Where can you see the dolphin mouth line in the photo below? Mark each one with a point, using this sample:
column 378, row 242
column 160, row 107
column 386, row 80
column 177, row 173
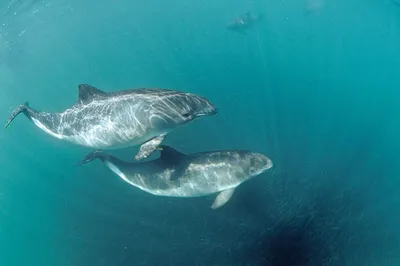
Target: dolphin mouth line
column 211, row 113
column 267, row 167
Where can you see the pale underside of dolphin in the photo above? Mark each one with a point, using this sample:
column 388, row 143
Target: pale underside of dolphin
column 111, row 120
column 175, row 174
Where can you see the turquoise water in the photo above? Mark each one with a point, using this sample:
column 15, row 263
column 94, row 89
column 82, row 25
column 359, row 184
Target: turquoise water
column 318, row 92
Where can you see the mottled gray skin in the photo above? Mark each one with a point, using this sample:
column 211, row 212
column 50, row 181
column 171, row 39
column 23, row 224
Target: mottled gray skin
column 178, row 175
column 120, row 119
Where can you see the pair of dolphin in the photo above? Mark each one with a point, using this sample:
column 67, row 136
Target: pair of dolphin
column 110, row 120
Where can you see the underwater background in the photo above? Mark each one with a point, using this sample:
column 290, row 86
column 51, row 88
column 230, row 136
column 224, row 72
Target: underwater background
column 314, row 85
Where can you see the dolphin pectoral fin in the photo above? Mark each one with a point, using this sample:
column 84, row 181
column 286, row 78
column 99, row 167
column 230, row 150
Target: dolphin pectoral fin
column 149, row 147
column 222, row 198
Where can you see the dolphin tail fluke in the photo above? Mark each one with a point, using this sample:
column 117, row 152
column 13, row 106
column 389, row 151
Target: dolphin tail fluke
column 97, row 154
column 23, row 108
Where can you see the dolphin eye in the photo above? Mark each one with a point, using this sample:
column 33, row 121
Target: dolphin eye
column 252, row 170
column 187, row 114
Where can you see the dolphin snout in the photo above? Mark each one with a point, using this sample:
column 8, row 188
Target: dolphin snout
column 214, row 109
column 207, row 109
column 267, row 163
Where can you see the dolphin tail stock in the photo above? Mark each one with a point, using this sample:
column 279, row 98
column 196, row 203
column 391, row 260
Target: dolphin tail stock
column 97, row 154
column 23, row 108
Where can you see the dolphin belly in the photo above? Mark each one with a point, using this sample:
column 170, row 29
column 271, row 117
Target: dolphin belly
column 46, row 129
column 188, row 190
column 186, row 185
column 109, row 126
column 109, row 140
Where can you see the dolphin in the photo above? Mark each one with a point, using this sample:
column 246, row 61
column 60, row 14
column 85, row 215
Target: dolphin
column 175, row 174
column 243, row 23
column 111, row 120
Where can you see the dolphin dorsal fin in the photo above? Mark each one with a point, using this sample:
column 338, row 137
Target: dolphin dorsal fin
column 170, row 155
column 88, row 93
